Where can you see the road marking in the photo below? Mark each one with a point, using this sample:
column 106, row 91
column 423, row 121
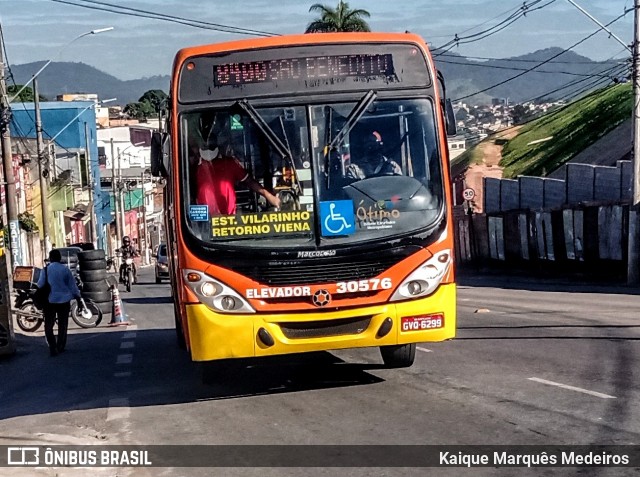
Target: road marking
column 129, row 335
column 124, row 374
column 424, row 350
column 127, row 345
column 124, row 359
column 573, row 388
column 118, row 409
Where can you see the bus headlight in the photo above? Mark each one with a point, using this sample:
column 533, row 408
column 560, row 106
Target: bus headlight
column 425, row 279
column 215, row 294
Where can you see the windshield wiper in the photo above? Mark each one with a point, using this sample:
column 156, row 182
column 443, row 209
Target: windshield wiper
column 354, row 116
column 264, row 128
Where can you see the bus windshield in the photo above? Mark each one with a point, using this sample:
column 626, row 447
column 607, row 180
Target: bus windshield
column 344, row 172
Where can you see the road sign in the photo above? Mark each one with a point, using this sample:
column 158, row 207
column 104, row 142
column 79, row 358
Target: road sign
column 468, row 194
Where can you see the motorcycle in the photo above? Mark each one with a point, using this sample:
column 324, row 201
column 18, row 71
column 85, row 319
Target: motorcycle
column 30, row 317
column 126, row 274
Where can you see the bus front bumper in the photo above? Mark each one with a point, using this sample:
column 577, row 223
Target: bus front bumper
column 215, row 336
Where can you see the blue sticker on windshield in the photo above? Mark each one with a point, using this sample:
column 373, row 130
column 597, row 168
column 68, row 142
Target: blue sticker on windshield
column 199, row 213
column 337, row 218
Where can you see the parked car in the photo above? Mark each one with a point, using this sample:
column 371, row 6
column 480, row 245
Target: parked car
column 162, row 263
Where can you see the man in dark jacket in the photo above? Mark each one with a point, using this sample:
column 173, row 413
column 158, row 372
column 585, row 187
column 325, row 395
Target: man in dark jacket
column 63, row 289
column 128, row 251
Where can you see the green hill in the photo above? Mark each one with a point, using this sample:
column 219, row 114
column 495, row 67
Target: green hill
column 565, row 132
column 546, row 143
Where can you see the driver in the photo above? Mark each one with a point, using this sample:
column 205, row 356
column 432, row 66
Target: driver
column 128, row 251
column 374, row 162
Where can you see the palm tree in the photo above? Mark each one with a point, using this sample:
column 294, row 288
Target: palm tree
column 340, row 19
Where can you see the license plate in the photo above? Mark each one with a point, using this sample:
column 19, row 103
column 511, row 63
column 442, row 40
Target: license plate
column 421, row 323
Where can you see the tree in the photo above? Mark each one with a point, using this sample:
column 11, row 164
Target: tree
column 155, row 97
column 147, row 106
column 134, row 110
column 341, row 18
column 26, row 96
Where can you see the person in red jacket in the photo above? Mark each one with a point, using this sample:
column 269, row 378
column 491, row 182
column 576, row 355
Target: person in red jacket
column 216, row 178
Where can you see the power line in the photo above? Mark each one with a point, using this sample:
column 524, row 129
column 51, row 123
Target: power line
column 517, row 60
column 519, row 13
column 541, row 63
column 597, row 70
column 106, row 7
column 512, row 68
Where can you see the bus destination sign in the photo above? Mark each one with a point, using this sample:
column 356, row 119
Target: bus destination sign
column 304, row 68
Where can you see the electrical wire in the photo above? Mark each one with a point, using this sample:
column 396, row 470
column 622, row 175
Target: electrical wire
column 107, row 7
column 541, row 63
column 512, row 68
column 518, row 60
column 521, row 12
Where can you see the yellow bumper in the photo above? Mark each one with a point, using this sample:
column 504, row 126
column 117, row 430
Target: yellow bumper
column 219, row 336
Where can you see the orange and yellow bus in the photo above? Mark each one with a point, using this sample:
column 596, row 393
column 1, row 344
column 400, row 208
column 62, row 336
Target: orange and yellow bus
column 349, row 132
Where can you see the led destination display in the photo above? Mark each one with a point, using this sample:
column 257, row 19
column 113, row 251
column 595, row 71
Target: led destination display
column 304, row 68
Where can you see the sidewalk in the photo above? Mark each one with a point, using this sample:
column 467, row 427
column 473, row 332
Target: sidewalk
column 523, row 279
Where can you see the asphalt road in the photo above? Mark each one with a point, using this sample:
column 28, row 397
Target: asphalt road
column 534, row 363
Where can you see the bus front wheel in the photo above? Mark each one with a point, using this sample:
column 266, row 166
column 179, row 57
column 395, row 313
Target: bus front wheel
column 180, row 338
column 398, row 356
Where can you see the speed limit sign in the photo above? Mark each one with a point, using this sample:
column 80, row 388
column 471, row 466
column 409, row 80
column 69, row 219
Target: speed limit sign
column 468, row 194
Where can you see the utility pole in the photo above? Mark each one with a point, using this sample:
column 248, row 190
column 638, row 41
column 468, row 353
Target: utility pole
column 633, row 261
column 123, row 226
column 11, row 216
column 116, row 202
column 144, row 242
column 87, row 156
column 43, row 172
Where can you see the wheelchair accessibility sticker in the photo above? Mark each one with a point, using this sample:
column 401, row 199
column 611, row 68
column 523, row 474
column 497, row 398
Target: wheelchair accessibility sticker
column 337, row 218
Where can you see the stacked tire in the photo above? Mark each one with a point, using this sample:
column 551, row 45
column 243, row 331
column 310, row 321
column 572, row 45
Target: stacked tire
column 93, row 274
column 69, row 257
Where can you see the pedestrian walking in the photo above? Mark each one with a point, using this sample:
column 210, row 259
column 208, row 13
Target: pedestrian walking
column 63, row 290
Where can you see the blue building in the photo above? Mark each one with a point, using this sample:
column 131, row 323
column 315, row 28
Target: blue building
column 73, row 125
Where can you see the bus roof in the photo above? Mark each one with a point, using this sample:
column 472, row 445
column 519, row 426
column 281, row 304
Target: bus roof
column 301, row 39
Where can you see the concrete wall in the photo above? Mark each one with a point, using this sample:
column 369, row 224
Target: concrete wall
column 584, row 183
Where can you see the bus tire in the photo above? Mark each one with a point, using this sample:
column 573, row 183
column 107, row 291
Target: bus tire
column 180, row 339
column 398, row 356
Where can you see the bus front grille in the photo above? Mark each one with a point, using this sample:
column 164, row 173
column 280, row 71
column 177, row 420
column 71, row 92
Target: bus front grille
column 324, row 328
column 330, row 271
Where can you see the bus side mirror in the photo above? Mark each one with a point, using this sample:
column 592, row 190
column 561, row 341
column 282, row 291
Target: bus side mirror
column 447, row 108
column 158, row 160
column 450, row 118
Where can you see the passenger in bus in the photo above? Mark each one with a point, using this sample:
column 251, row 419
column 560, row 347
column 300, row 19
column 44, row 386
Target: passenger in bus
column 216, row 178
column 373, row 162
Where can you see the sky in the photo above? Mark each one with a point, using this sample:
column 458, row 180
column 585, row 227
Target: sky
column 141, row 47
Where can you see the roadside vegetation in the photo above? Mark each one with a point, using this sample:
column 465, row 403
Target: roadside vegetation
column 548, row 142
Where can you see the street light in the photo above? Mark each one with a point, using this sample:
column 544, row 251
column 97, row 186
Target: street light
column 92, row 32
column 80, row 114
